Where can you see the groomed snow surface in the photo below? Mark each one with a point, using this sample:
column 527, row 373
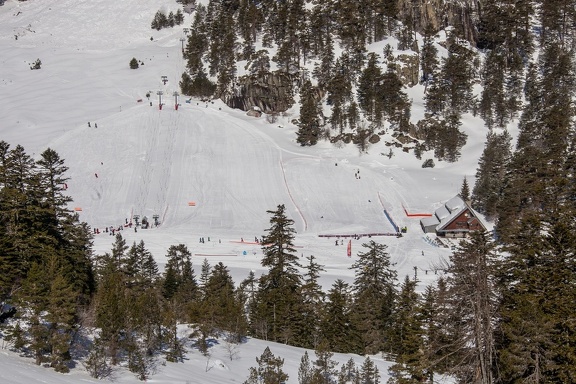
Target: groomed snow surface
column 205, row 170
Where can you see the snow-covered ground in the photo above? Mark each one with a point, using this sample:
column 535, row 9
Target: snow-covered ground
column 205, row 170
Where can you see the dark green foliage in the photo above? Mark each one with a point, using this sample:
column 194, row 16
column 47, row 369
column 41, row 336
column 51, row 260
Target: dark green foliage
column 490, row 174
column 339, row 87
column 161, row 21
column 492, row 106
column 134, row 63
column 277, row 314
column 310, row 116
column 14, row 335
column 305, row 372
column 464, row 190
column 324, row 368
column 63, row 321
column 471, row 284
column 443, row 136
column 428, row 163
column 450, row 91
column 348, row 373
column 535, row 335
column 179, row 284
column 45, row 260
column 178, row 17
column 111, row 312
column 250, row 21
column 197, row 46
column 374, row 297
column 96, row 363
column 395, row 104
column 221, row 309
column 313, row 299
column 269, row 370
column 557, row 18
column 536, row 177
column 369, row 373
column 428, row 55
column 368, row 89
column 200, row 86
column 260, row 63
column 336, row 321
column 407, row 337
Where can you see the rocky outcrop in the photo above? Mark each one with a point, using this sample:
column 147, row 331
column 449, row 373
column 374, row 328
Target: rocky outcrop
column 269, row 91
column 462, row 15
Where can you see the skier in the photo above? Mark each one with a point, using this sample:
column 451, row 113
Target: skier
column 95, row 125
column 88, row 124
column 96, row 175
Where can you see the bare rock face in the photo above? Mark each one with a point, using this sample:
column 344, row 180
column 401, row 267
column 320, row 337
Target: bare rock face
column 462, row 15
column 269, row 91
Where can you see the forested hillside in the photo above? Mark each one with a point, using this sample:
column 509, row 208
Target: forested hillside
column 504, row 311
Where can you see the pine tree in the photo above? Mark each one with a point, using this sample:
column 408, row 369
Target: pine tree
column 536, row 175
column 220, row 306
column 493, row 107
column 33, row 294
column 96, row 363
column 535, row 337
column 179, row 284
column 61, row 314
column 310, row 116
column 324, row 371
column 394, row 100
column 368, row 90
column 490, row 174
column 305, row 371
column 464, row 190
column 313, row 298
column 269, row 370
column 339, row 90
column 276, row 314
column 111, row 312
column 375, row 295
column 472, row 304
column 336, row 321
column 428, row 55
column 369, row 373
column 407, row 337
column 175, row 346
column 325, row 69
column 348, row 372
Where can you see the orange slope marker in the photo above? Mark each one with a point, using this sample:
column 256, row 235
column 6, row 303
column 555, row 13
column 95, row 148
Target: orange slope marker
column 416, row 214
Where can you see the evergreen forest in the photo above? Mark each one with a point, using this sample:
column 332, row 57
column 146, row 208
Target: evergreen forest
column 503, row 313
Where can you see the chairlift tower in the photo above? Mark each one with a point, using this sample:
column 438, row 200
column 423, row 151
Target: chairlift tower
column 164, row 79
column 182, row 40
column 175, row 94
column 160, row 93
